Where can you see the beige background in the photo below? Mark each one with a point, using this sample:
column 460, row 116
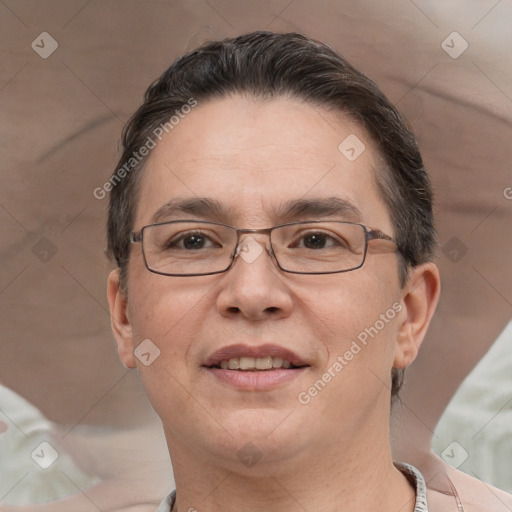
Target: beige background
column 60, row 122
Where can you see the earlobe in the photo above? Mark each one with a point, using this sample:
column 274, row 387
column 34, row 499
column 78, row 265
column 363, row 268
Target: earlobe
column 420, row 298
column 119, row 320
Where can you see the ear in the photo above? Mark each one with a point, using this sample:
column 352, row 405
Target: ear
column 119, row 320
column 420, row 297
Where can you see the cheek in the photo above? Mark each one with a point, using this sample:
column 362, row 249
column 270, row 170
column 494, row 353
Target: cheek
column 169, row 314
column 350, row 302
column 359, row 330
column 167, row 311
column 357, row 319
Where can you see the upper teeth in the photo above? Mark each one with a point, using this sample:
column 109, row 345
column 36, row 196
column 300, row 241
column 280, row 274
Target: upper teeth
column 255, row 363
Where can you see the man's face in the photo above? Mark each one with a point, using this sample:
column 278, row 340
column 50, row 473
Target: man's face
column 252, row 158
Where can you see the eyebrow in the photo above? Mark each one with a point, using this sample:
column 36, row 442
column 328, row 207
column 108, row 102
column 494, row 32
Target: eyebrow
column 195, row 206
column 318, row 207
column 294, row 209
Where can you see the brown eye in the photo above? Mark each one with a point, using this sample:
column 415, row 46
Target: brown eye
column 191, row 241
column 315, row 241
column 194, row 242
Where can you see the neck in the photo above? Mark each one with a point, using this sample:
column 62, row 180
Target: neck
column 357, row 474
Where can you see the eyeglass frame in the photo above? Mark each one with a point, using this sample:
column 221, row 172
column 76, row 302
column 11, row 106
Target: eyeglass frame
column 370, row 234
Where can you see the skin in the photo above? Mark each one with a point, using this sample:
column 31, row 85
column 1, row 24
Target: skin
column 252, row 156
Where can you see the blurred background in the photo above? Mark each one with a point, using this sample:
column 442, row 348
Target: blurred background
column 75, row 422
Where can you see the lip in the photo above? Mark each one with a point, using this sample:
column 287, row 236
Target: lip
column 256, row 380
column 240, row 350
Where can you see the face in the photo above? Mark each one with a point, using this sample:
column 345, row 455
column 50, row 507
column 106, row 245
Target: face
column 254, row 159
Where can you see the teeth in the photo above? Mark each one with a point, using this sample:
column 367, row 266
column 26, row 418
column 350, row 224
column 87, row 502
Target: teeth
column 234, row 363
column 264, row 363
column 277, row 362
column 255, row 363
column 247, row 363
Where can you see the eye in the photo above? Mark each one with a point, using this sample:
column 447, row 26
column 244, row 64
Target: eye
column 191, row 241
column 319, row 240
column 315, row 240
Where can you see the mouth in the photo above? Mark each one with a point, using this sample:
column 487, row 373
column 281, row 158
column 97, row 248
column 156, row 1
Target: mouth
column 255, row 368
column 254, row 358
column 259, row 364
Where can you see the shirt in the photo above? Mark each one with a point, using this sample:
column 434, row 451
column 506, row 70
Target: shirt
column 412, row 474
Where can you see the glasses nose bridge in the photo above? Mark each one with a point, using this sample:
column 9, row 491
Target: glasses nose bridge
column 260, row 231
column 243, row 231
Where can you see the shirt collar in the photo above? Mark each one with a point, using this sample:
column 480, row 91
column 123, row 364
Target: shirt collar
column 414, row 476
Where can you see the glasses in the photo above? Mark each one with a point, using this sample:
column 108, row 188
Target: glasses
column 199, row 248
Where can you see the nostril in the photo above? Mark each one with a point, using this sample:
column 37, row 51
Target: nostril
column 272, row 309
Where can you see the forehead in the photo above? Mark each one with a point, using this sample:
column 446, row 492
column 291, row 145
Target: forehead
column 254, row 156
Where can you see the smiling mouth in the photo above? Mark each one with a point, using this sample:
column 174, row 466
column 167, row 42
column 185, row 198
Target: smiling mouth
column 255, row 364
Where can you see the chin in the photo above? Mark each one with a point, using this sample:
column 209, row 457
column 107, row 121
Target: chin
column 258, row 423
column 250, row 456
column 272, row 432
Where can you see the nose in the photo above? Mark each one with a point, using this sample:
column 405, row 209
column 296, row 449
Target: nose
column 254, row 287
